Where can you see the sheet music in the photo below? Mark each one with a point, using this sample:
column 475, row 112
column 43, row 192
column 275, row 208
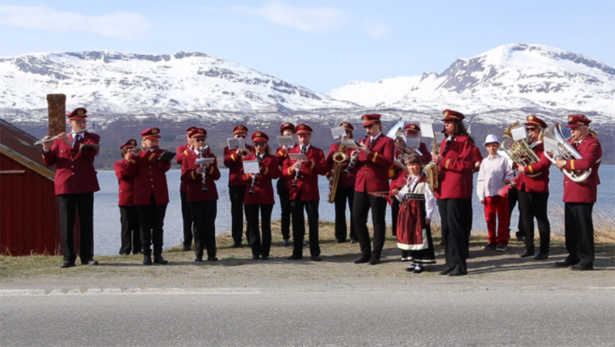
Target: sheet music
column 287, row 141
column 551, row 145
column 413, row 142
column 427, row 130
column 518, row 133
column 350, row 144
column 297, row 156
column 251, row 166
column 338, row 132
column 204, row 160
column 234, row 143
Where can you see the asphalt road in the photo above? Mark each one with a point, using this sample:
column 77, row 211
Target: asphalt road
column 432, row 314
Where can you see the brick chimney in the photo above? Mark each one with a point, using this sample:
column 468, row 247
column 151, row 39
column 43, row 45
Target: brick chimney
column 56, row 104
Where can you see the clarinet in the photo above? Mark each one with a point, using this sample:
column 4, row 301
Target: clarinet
column 204, row 174
column 298, row 170
column 258, row 158
column 354, row 157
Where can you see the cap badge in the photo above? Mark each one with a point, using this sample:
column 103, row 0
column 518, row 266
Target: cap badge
column 154, row 131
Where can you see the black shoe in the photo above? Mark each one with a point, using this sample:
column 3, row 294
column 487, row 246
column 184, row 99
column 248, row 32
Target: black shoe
column 124, row 253
column 186, row 248
column 362, row 259
column 541, row 256
column 158, row 259
column 354, row 240
column 501, row 247
column 198, row 259
column 89, row 262
column 567, row 262
column 264, row 257
column 417, row 269
column 489, row 247
column 374, row 260
column 255, row 257
column 457, row 272
column 295, row 257
column 236, row 244
column 212, row 259
column 315, row 258
column 286, row 242
column 583, row 267
column 446, row 271
column 527, row 253
column 340, row 241
column 147, row 259
column 67, row 263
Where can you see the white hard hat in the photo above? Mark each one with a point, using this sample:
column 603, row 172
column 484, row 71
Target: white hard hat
column 491, row 139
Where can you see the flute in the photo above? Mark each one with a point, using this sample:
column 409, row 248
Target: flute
column 57, row 136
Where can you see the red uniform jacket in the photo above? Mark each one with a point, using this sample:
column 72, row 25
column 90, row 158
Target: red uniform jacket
column 194, row 181
column 263, row 189
column 180, row 152
column 307, row 183
column 235, row 166
column 539, row 183
column 373, row 169
column 75, row 172
column 149, row 177
column 125, row 182
column 345, row 180
column 455, row 169
column 585, row 191
column 281, row 156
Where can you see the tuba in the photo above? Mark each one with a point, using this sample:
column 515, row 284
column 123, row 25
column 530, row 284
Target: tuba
column 518, row 151
column 339, row 157
column 556, row 147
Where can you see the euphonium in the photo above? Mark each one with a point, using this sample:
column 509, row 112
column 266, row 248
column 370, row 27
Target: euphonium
column 339, row 157
column 401, row 153
column 519, row 151
column 563, row 150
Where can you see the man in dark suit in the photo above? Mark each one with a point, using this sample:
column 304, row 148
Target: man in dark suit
column 75, row 184
column 579, row 197
column 374, row 159
column 304, row 191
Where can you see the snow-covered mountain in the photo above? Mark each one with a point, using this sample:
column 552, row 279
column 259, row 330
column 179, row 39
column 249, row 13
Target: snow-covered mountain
column 512, row 79
column 118, row 83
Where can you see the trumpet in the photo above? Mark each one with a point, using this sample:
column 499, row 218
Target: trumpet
column 57, row 136
column 355, row 155
column 556, row 147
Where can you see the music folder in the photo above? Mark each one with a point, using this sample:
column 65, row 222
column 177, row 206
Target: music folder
column 207, row 161
column 287, row 141
column 234, row 143
column 251, row 167
column 166, row 156
column 297, row 156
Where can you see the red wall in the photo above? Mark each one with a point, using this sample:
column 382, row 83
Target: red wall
column 29, row 221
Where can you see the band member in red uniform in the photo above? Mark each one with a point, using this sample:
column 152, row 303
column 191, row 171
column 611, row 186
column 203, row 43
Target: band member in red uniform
column 345, row 188
column 304, row 191
column 129, row 217
column 259, row 195
column 417, row 205
column 202, row 194
column 410, row 131
column 455, row 167
column 186, row 219
column 283, row 184
column 579, row 197
column 151, row 194
column 533, row 192
column 75, row 184
column 374, row 158
column 233, row 159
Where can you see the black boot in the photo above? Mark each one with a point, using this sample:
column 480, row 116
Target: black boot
column 147, row 257
column 158, row 259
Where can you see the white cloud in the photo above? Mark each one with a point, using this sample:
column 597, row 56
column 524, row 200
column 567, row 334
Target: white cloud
column 374, row 29
column 305, row 19
column 117, row 24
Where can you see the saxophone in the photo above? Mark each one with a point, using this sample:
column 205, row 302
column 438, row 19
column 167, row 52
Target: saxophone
column 339, row 157
column 431, row 170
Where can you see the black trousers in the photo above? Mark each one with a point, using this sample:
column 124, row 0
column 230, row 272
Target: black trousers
column 151, row 218
column 203, row 215
column 342, row 195
column 131, row 237
column 535, row 205
column 187, row 219
column 512, row 201
column 311, row 207
column 254, row 236
column 284, row 195
column 579, row 231
column 237, row 194
column 453, row 213
column 69, row 206
column 362, row 203
column 394, row 214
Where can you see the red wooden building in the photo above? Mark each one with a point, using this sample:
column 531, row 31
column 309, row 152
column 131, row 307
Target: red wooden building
column 29, row 220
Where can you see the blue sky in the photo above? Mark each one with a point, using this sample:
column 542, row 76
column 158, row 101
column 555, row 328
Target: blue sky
column 318, row 44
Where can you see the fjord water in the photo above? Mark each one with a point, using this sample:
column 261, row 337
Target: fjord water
column 107, row 214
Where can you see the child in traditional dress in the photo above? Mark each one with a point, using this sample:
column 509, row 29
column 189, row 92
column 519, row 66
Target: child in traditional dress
column 417, row 203
column 494, row 174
